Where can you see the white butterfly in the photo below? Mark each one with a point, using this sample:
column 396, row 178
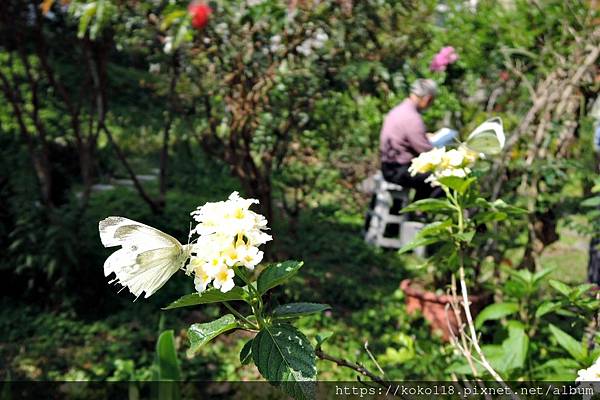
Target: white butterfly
column 147, row 258
column 487, row 138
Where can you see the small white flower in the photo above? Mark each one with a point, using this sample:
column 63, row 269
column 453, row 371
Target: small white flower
column 592, row 374
column 231, row 256
column 252, row 3
column 454, row 158
column 589, row 378
column 250, row 256
column 201, row 279
column 427, row 161
column 224, row 279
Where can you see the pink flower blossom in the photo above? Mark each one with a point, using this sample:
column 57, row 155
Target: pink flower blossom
column 200, row 13
column 443, row 58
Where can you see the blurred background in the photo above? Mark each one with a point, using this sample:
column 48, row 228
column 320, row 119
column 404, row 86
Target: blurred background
column 149, row 108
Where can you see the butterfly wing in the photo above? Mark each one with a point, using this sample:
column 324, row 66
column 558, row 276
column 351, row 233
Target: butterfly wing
column 145, row 272
column 147, row 259
column 487, row 138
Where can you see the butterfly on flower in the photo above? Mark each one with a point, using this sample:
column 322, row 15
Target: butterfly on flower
column 147, row 257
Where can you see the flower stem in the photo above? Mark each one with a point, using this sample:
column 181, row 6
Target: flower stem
column 240, row 316
column 256, row 295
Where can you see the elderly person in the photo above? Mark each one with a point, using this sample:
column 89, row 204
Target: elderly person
column 403, row 137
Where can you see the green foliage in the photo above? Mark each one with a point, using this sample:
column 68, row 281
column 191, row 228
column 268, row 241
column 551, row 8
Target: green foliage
column 495, row 311
column 211, row 295
column 284, row 356
column 200, row 334
column 295, row 310
column 276, row 274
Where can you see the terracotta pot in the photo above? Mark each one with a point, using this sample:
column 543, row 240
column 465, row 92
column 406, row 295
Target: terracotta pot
column 433, row 307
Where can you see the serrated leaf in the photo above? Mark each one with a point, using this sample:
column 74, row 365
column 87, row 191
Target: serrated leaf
column 494, row 312
column 209, row 296
column 570, row 344
column 246, row 353
column 285, row 357
column 200, row 334
column 294, row 310
column 276, row 274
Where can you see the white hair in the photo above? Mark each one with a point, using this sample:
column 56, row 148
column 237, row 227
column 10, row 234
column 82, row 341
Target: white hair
column 424, row 87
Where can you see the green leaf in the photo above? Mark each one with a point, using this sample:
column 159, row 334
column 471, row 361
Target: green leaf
column 246, row 353
column 465, row 236
column 513, row 351
column 538, row 276
column 86, row 17
column 434, row 228
column 211, row 295
column 200, row 334
column 167, row 365
column 580, row 290
column 570, row 344
column 285, row 357
column 490, row 216
column 494, row 312
column 323, row 337
column 276, row 274
column 591, row 202
column 546, row 307
column 428, row 205
column 560, row 287
column 417, row 242
column 456, row 183
column 501, row 205
column 294, row 310
column 560, row 363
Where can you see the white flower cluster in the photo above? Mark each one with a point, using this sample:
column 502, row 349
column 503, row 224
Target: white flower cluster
column 317, row 41
column 228, row 236
column 592, row 374
column 441, row 163
column 252, row 3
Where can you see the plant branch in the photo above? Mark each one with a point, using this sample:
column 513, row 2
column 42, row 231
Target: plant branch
column 354, row 366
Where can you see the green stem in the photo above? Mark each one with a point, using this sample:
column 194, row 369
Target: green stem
column 240, row 316
column 256, row 295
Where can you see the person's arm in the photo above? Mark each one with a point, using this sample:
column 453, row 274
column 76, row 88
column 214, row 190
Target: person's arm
column 417, row 137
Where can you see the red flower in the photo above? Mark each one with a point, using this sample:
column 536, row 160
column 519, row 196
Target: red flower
column 200, row 13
